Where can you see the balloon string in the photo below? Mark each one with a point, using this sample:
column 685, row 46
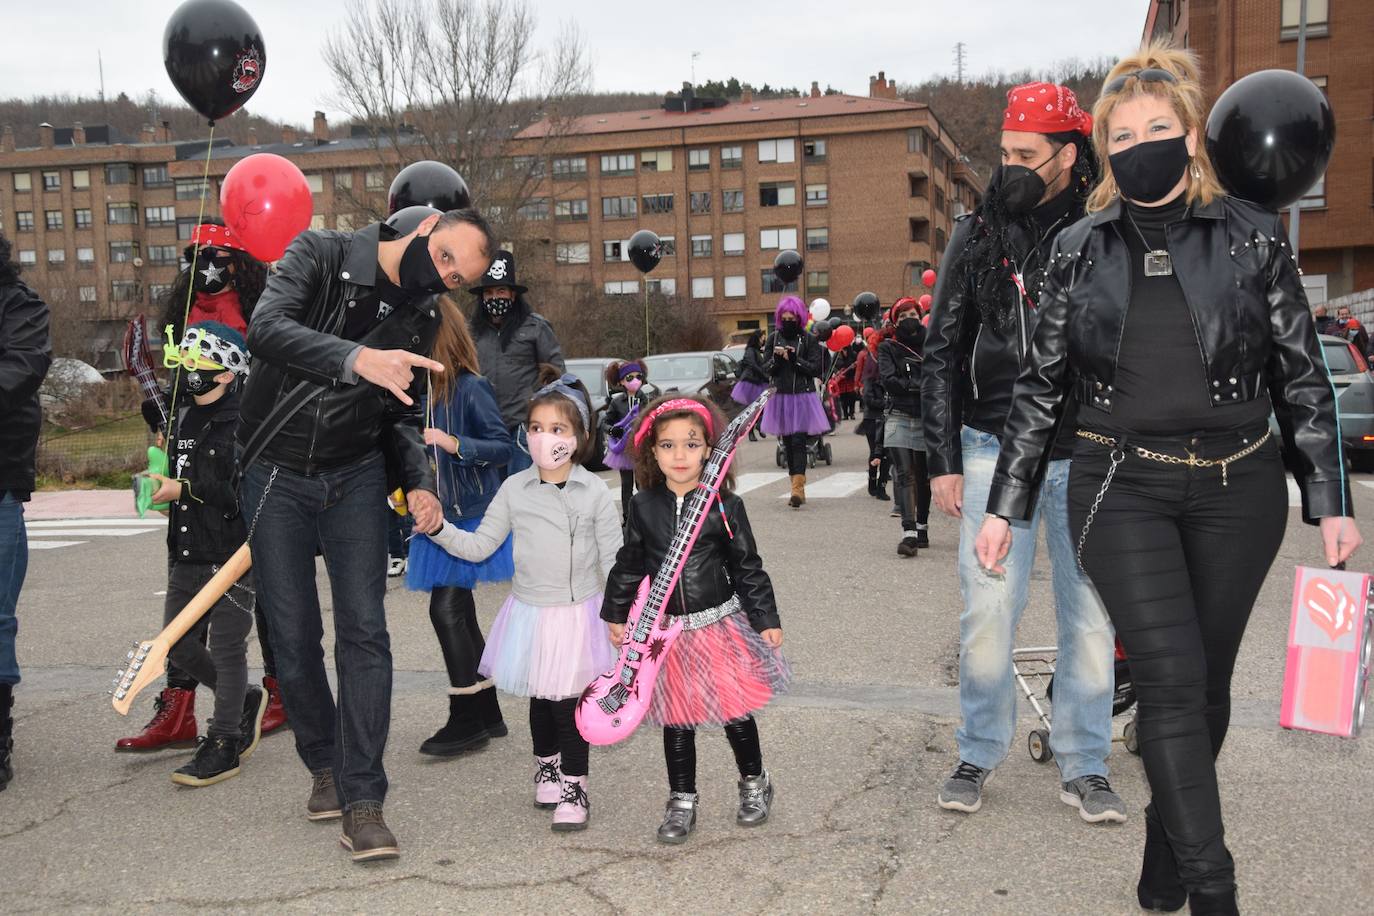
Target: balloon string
column 646, row 316
column 191, row 287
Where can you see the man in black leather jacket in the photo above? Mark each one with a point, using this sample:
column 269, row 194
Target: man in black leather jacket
column 330, row 424
column 980, row 325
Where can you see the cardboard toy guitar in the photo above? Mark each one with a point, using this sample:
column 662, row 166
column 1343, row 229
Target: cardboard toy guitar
column 138, row 362
column 1330, row 645
column 147, row 660
column 614, row 704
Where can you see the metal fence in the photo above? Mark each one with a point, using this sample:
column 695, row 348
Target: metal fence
column 112, row 446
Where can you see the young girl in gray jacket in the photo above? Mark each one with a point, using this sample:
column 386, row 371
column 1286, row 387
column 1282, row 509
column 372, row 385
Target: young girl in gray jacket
column 548, row 641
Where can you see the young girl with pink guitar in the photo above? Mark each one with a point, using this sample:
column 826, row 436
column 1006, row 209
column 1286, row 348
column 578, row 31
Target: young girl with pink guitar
column 725, row 664
column 547, row 642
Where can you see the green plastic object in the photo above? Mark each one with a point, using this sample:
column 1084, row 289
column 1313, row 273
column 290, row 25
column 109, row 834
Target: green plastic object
column 146, row 485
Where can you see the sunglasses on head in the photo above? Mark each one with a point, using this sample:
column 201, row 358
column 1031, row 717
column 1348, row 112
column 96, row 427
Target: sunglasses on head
column 1148, row 75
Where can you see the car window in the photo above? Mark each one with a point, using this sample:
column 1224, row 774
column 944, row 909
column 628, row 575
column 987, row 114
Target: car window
column 1339, row 359
column 590, row 375
column 665, row 369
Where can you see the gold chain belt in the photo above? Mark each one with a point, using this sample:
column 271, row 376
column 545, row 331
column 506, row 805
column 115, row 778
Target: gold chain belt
column 1192, row 461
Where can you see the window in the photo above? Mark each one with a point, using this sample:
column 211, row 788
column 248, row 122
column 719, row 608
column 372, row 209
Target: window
column 192, row 189
column 186, row 227
column 939, row 241
column 23, row 181
column 663, row 287
column 1315, row 198
column 1319, row 82
column 121, row 214
column 658, row 203
column 699, row 160
column 52, row 181
column 570, row 167
column 918, row 269
column 667, row 246
column 814, row 150
column 24, row 220
column 574, row 210
column 28, row 256
column 619, row 207
column 123, row 252
column 317, row 221
column 817, row 195
column 83, row 218
column 732, row 201
column 919, row 185
column 818, row 239
column 701, row 201
column 621, row 287
column 536, row 208
column 920, row 230
column 916, row 140
column 1318, row 13
column 155, row 176
column 343, row 181
column 777, row 194
column 120, row 173
column 735, row 288
column 124, row 291
column 777, row 151
column 817, row 281
column 86, row 293
column 731, row 157
column 771, row 284
column 701, row 246
column 160, row 216
column 81, row 178
column 85, row 257
column 162, row 254
column 703, row 287
column 157, row 291
column 618, row 164
column 374, row 180
column 57, row 256
column 616, row 250
column 777, row 238
column 346, row 222
column 52, row 219
column 316, row 182
column 527, row 166
column 939, row 200
column 656, row 160
column 732, row 243
column 572, row 253
column 939, row 160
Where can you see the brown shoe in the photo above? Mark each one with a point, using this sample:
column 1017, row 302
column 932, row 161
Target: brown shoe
column 798, row 491
column 365, row 834
column 324, row 798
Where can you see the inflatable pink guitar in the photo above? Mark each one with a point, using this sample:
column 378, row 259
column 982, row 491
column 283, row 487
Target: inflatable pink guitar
column 614, row 704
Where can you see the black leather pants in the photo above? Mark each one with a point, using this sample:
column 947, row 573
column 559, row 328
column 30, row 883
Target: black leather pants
column 454, row 615
column 680, row 753
column 912, row 489
column 795, row 448
column 553, row 727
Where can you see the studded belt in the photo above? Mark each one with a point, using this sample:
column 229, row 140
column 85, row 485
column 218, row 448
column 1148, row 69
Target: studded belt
column 698, row 619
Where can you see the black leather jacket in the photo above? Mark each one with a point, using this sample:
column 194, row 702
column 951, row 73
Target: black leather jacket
column 720, row 565
column 899, row 367
column 1254, row 331
column 25, row 354
column 205, row 525
column 294, row 338
column 751, row 367
column 798, row 374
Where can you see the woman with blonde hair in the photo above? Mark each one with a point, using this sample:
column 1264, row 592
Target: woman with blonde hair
column 471, row 447
column 1175, row 316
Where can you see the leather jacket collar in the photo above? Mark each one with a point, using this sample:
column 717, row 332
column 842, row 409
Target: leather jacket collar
column 1112, row 212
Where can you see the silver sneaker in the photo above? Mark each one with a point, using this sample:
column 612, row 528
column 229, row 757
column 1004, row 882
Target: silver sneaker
column 755, row 798
column 679, row 817
column 963, row 791
column 1094, row 799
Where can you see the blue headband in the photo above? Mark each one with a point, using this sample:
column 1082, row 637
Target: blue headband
column 629, row 369
column 564, row 386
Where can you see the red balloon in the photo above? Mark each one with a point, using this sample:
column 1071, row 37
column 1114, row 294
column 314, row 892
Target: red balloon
column 925, row 301
column 928, row 277
column 840, row 338
column 266, row 201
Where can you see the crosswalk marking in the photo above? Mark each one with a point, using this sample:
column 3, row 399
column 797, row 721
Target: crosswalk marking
column 52, row 545
column 1294, row 492
column 90, row 532
column 54, row 533
column 1366, row 483
column 148, row 523
column 746, row 482
column 834, row 486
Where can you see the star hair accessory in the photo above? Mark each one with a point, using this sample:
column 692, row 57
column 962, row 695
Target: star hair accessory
column 675, row 404
column 564, row 386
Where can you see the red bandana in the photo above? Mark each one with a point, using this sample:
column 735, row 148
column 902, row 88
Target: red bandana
column 223, row 307
column 1044, row 108
column 209, row 235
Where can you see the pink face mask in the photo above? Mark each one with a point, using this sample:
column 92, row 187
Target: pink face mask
column 549, row 451
column 632, row 385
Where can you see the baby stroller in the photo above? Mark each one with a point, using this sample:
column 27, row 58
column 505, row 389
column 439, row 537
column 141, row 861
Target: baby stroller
column 817, row 449
column 1034, row 672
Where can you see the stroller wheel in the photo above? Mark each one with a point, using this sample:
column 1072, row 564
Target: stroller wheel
column 825, row 447
column 1038, row 743
column 1131, row 738
column 781, row 456
column 811, row 457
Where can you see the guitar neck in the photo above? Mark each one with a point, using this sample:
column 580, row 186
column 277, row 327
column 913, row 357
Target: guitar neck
column 196, row 608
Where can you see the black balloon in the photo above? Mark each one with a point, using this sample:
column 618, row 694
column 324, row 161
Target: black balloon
column 215, row 55
column 405, row 221
column 834, row 321
column 645, row 250
column 428, row 184
column 822, row 330
column 1270, row 136
column 787, row 266
column 866, row 306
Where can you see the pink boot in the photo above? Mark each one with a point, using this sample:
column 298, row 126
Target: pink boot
column 548, row 782
column 574, row 809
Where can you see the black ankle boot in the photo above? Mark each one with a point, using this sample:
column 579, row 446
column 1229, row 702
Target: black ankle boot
column 6, row 735
column 1213, row 903
column 489, row 711
column 217, row 759
column 464, row 731
column 1160, row 887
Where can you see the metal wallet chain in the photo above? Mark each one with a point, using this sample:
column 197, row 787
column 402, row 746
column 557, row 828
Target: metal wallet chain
column 1118, row 456
column 253, row 526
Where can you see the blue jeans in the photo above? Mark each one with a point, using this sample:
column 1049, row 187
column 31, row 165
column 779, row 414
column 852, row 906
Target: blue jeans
column 14, row 564
column 344, row 510
column 1083, row 683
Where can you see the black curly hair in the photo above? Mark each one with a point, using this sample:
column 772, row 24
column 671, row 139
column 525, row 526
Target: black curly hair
column 250, row 277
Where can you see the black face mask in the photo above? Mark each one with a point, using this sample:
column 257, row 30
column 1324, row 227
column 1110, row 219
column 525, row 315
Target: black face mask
column 212, row 276
column 498, row 306
column 417, row 271
column 908, row 327
column 199, row 383
column 1147, row 172
column 1021, row 189
column 789, row 328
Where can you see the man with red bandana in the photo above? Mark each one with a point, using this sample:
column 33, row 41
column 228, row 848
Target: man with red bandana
column 980, row 328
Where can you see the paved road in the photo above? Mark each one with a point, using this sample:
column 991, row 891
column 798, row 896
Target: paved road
column 857, row 751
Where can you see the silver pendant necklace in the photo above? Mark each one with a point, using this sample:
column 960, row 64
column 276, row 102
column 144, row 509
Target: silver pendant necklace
column 1157, row 260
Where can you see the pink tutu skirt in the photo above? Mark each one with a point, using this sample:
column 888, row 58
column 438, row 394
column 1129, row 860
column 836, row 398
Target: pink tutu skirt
column 786, row 414
column 549, row 652
column 747, row 392
column 716, row 675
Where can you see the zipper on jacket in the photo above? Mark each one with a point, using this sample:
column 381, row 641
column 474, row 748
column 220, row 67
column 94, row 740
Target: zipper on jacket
column 973, row 360
column 677, row 517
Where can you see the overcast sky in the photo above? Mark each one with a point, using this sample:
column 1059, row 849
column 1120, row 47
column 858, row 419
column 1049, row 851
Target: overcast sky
column 52, row 46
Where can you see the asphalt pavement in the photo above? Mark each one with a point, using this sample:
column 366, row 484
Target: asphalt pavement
column 857, row 751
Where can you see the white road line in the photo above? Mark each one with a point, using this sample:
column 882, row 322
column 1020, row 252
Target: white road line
column 90, row 532
column 746, row 482
column 1294, row 492
column 52, row 545
column 95, row 522
column 1366, row 483
column 834, row 486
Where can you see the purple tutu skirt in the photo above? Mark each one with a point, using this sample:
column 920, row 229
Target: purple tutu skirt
column 747, row 392
column 788, row 414
column 618, row 456
column 717, row 675
column 550, row 652
column 431, row 566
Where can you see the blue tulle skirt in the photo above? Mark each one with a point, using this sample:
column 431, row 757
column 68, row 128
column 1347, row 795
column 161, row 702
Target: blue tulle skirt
column 431, row 566
column 787, row 414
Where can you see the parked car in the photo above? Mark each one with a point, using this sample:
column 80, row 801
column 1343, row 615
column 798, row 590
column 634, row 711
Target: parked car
column 1354, row 384
column 711, row 373
column 592, row 372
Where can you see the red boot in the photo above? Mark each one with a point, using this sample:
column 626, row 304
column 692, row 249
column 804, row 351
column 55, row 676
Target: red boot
column 172, row 725
column 275, row 717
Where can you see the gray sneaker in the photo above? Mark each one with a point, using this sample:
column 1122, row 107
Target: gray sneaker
column 1094, row 799
column 963, row 791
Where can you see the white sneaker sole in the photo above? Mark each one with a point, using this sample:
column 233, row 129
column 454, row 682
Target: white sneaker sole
column 960, row 806
column 1106, row 817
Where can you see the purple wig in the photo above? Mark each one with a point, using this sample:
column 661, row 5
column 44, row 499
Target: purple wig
column 791, row 305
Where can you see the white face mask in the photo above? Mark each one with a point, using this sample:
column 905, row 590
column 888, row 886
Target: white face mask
column 550, row 452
